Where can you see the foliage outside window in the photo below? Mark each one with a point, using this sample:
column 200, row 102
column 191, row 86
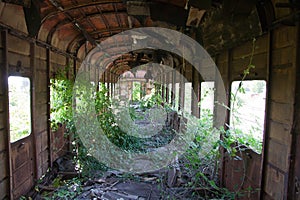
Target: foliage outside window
column 248, row 112
column 207, row 99
column 177, row 85
column 61, row 92
column 188, row 98
column 19, row 107
column 136, row 91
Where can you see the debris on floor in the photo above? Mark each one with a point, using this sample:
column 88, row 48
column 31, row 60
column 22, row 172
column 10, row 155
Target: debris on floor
column 63, row 182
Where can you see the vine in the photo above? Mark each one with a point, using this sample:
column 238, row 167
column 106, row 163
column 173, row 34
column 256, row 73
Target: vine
column 201, row 160
column 233, row 135
column 61, row 92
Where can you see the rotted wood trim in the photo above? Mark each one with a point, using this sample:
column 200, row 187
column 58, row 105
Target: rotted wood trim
column 292, row 190
column 181, row 89
column 167, row 87
column 267, row 117
column 33, row 109
column 163, row 92
column 173, row 94
column 218, row 82
column 4, row 35
column 48, row 60
column 227, row 118
column 195, row 93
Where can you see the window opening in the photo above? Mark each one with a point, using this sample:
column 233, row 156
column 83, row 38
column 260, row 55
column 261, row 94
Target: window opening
column 19, row 107
column 177, row 95
column 188, row 98
column 136, row 93
column 207, row 100
column 247, row 114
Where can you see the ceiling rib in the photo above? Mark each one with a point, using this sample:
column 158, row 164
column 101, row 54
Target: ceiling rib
column 77, row 7
column 113, row 30
column 85, row 16
column 88, row 19
column 104, row 19
column 66, row 21
column 117, row 15
column 74, row 22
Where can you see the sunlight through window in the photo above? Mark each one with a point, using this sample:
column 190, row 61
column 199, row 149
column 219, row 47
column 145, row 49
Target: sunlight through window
column 247, row 114
column 19, row 107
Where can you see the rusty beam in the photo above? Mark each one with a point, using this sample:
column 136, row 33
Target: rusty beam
column 41, row 43
column 93, row 3
column 55, row 28
column 4, row 37
column 74, row 22
column 81, row 40
column 117, row 15
column 85, row 16
column 88, row 20
column 103, row 19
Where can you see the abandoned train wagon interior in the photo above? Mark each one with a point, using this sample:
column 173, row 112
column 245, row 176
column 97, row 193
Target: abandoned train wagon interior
column 150, row 99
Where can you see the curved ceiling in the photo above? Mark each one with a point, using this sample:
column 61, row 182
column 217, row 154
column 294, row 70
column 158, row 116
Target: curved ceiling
column 69, row 24
column 77, row 26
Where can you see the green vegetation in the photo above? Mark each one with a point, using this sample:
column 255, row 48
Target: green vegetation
column 66, row 189
column 61, row 94
column 247, row 113
column 137, row 91
column 201, row 160
column 19, row 107
column 108, row 122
